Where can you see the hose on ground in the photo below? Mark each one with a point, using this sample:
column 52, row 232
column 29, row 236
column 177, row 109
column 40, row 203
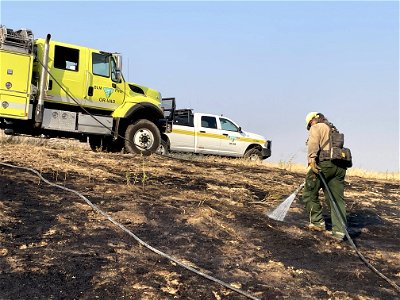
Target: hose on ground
column 343, row 224
column 140, row 241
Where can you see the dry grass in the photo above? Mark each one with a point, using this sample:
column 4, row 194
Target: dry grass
column 7, row 139
column 67, row 144
column 352, row 172
column 391, row 176
column 302, row 169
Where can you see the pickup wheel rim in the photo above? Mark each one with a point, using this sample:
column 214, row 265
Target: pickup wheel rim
column 162, row 149
column 254, row 157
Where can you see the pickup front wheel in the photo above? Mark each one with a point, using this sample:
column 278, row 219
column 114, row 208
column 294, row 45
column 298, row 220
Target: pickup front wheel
column 163, row 148
column 142, row 137
column 253, row 154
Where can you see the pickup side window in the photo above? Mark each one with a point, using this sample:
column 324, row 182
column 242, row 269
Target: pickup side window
column 66, row 58
column 184, row 120
column 228, row 125
column 208, row 122
column 101, row 64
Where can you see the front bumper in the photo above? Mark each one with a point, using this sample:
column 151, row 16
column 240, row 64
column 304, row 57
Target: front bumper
column 266, row 152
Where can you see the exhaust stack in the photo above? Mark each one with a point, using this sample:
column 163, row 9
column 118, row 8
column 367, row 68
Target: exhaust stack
column 42, row 85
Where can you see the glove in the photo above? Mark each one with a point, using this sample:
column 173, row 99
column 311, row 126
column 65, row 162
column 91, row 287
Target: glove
column 314, row 167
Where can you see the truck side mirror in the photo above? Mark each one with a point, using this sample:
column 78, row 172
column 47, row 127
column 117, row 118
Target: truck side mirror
column 118, row 58
column 118, row 71
column 240, row 129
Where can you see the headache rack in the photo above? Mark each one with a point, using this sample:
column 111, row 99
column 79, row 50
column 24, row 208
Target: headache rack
column 18, row 41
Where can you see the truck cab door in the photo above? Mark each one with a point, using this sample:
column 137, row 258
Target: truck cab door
column 208, row 136
column 231, row 134
column 104, row 90
column 68, row 65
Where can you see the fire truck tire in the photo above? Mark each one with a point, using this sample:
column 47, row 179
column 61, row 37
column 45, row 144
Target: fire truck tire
column 142, row 137
column 253, row 154
column 101, row 143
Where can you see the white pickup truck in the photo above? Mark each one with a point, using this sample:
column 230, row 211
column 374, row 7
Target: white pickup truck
column 212, row 134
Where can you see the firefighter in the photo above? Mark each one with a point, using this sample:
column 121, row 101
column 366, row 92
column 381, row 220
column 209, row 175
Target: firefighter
column 318, row 141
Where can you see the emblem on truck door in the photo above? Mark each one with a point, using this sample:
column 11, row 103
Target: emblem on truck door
column 108, row 91
column 233, row 138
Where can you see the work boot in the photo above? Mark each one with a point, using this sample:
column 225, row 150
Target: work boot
column 318, row 226
column 338, row 236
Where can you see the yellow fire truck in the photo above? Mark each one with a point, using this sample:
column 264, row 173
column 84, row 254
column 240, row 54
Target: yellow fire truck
column 61, row 90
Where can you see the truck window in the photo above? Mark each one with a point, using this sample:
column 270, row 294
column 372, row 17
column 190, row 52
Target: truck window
column 66, row 58
column 184, row 120
column 101, row 64
column 208, row 122
column 228, row 125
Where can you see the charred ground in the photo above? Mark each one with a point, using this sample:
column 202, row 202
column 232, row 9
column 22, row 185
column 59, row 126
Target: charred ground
column 209, row 214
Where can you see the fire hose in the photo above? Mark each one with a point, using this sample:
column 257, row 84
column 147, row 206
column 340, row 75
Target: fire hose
column 130, row 233
column 343, row 224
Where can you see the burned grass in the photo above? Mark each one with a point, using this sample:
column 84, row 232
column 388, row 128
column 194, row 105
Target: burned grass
column 209, row 214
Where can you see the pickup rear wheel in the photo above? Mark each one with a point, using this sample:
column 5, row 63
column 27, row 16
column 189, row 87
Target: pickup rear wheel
column 253, row 154
column 142, row 137
column 163, row 148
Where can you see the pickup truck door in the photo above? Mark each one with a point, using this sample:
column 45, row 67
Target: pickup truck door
column 231, row 135
column 208, row 136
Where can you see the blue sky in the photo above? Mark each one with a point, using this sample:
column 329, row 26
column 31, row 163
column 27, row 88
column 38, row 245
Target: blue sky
column 263, row 64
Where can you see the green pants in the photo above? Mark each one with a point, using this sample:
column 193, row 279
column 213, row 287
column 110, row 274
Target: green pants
column 334, row 177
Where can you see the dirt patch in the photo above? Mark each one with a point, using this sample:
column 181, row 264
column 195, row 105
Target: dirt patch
column 210, row 215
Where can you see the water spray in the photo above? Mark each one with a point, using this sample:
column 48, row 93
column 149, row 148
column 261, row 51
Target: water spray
column 280, row 212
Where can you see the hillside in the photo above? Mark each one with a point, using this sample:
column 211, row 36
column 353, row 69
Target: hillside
column 209, row 214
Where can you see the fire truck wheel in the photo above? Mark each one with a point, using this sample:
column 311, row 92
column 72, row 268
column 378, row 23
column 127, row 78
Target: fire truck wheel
column 103, row 144
column 142, row 137
column 253, row 154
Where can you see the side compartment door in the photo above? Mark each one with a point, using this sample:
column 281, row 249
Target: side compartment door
column 208, row 136
column 15, row 79
column 103, row 89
